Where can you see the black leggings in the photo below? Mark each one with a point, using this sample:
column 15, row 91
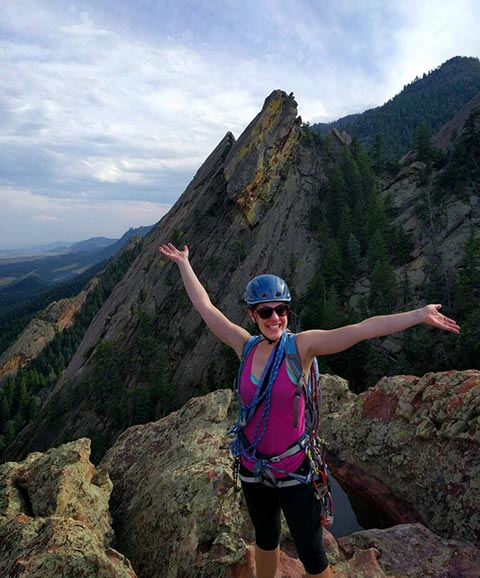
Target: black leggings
column 302, row 512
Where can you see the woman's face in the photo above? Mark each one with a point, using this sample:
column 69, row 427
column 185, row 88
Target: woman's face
column 275, row 324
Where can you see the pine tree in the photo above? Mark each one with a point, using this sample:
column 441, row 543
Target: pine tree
column 10, row 431
column 377, row 249
column 379, row 154
column 423, row 143
column 4, row 410
column 345, row 229
column 352, row 178
column 331, row 314
column 23, row 399
column 143, row 409
column 336, row 198
column 354, row 252
column 383, row 288
column 469, row 275
column 333, row 270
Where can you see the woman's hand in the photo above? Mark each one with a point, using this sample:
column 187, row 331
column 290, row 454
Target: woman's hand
column 171, row 252
column 231, row 334
column 432, row 316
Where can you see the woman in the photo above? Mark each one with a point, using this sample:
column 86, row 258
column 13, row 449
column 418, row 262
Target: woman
column 268, row 300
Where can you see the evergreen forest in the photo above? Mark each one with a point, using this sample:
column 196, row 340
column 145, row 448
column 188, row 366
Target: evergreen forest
column 355, row 226
column 22, row 396
column 437, row 96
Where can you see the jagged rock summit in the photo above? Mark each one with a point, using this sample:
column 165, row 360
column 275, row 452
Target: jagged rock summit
column 257, row 161
column 216, row 215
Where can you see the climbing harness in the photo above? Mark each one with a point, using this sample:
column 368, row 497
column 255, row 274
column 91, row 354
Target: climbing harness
column 310, row 442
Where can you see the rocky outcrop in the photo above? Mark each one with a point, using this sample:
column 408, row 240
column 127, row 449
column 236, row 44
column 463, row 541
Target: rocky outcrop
column 340, row 138
column 446, row 134
column 255, row 164
column 174, row 506
column 176, row 512
column 54, row 517
column 407, row 551
column 421, row 438
column 54, row 319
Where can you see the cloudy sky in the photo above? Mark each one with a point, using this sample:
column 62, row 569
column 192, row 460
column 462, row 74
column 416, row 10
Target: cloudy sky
column 108, row 107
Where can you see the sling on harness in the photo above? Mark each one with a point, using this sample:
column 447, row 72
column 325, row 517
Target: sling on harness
column 309, row 442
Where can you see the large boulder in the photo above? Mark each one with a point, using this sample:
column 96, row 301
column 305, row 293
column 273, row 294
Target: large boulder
column 175, row 509
column 54, row 517
column 409, row 551
column 421, row 438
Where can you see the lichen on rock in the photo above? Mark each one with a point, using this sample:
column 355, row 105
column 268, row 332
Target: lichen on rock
column 420, row 437
column 254, row 166
column 54, row 517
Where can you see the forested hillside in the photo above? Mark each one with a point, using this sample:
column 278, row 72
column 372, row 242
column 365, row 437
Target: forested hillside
column 22, row 396
column 365, row 245
column 435, row 98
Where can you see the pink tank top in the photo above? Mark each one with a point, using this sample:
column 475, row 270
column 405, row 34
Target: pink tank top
column 280, row 433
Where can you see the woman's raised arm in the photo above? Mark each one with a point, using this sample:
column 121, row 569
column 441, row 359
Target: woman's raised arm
column 317, row 342
column 228, row 332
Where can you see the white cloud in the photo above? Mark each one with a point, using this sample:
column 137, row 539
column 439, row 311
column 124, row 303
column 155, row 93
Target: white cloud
column 46, row 218
column 98, row 107
column 433, row 32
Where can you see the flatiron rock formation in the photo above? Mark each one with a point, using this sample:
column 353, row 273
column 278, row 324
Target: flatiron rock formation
column 54, row 319
column 54, row 517
column 230, row 217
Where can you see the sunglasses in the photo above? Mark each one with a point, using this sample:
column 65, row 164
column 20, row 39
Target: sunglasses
column 266, row 312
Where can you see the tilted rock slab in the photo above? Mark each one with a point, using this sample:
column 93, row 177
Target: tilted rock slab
column 41, row 330
column 421, row 437
column 176, row 513
column 54, row 517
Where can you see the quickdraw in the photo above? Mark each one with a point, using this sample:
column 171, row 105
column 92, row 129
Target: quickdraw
column 320, row 480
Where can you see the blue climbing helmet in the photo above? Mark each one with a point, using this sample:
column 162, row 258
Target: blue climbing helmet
column 266, row 288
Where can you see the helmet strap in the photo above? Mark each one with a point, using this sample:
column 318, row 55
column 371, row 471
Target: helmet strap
column 269, row 340
column 258, row 327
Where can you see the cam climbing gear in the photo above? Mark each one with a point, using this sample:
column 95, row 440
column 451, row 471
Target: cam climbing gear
column 309, row 442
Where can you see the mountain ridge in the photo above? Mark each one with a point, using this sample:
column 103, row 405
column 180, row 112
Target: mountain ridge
column 436, row 97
